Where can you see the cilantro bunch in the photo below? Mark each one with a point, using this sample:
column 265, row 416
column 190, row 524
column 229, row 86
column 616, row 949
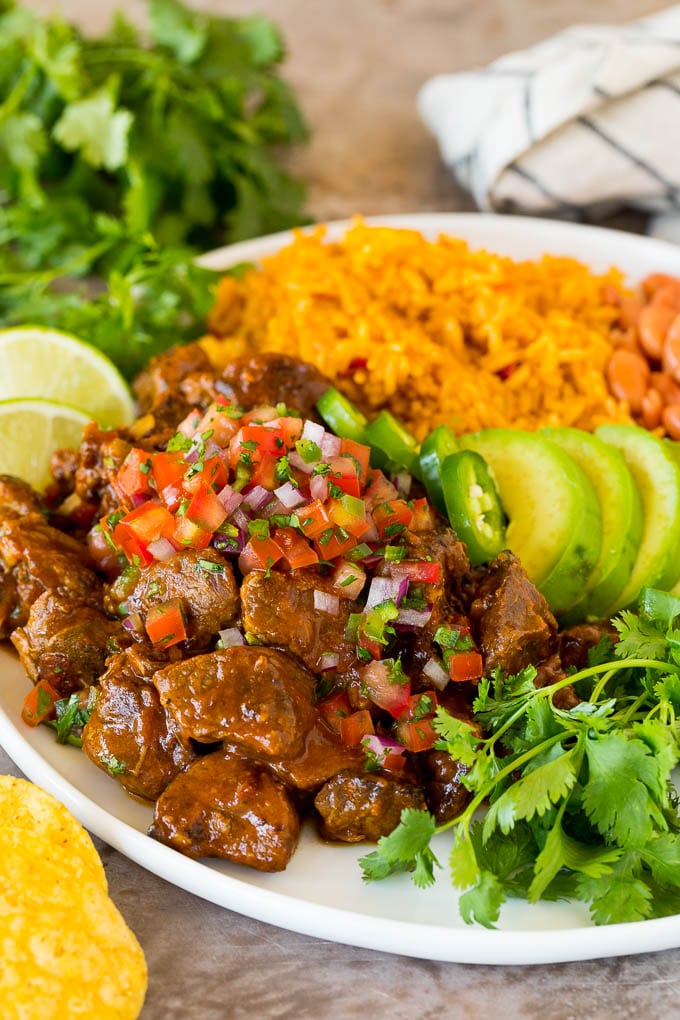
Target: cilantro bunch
column 580, row 801
column 122, row 160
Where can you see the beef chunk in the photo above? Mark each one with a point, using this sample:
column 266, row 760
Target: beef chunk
column 18, row 495
column 66, row 643
column 203, row 580
column 83, row 476
column 442, row 779
column 356, row 806
column 260, row 379
column 279, row 610
column 323, row 755
column 257, row 698
column 164, row 373
column 514, row 623
column 35, row 557
column 225, row 806
column 130, row 735
column 576, row 642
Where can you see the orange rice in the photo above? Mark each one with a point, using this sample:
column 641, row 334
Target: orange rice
column 430, row 329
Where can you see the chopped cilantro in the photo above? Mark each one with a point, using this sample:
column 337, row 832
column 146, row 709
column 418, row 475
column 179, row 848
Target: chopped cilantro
column 258, row 528
column 210, row 566
column 308, row 450
column 113, row 765
column 179, row 443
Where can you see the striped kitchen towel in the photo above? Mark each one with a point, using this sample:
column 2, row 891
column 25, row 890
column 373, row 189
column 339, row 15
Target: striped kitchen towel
column 587, row 120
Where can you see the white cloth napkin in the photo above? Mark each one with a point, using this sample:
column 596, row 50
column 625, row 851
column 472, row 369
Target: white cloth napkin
column 587, row 120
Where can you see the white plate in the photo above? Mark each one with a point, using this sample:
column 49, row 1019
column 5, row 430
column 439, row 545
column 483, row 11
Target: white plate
column 322, row 893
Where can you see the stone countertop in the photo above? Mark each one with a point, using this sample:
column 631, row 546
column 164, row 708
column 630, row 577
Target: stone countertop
column 357, row 66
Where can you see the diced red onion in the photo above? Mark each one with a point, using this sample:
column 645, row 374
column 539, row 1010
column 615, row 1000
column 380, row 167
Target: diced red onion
column 384, row 588
column 326, row 603
column 134, row 623
column 230, row 499
column 413, row 617
column 241, row 519
column 191, row 456
column 371, row 534
column 289, row 495
column 313, row 431
column 257, row 497
column 403, row 482
column 296, row 461
column 211, row 450
column 329, row 661
column 381, row 746
column 318, row 488
column 138, row 498
column 231, row 637
column 187, row 427
column 436, row 674
column 161, row 549
column 349, row 579
column 230, row 545
column 330, row 445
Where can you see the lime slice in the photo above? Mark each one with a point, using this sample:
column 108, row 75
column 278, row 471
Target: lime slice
column 38, row 362
column 30, row 431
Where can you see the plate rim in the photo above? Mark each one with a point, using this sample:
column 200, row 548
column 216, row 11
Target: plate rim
column 473, row 944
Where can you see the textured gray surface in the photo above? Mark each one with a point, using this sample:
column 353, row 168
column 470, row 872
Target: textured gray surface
column 357, row 65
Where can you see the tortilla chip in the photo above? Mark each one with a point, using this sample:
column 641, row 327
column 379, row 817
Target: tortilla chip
column 66, row 950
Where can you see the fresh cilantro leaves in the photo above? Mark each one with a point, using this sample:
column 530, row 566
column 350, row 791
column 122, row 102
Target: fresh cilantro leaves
column 121, row 161
column 579, row 800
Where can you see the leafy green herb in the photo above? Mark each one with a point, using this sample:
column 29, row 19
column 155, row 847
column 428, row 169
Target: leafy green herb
column 308, row 450
column 210, row 567
column 122, row 161
column 580, row 799
column 113, row 765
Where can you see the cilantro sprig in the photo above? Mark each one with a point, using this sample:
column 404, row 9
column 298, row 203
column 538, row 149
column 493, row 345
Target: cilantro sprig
column 579, row 800
column 121, row 160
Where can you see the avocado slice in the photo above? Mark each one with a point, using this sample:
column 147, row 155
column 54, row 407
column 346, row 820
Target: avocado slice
column 657, row 476
column 555, row 525
column 621, row 509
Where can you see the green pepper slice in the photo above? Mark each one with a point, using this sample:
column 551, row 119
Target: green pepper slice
column 436, row 447
column 393, row 445
column 473, row 505
column 342, row 416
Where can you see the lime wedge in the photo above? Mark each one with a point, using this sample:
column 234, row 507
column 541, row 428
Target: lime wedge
column 40, row 362
column 30, row 431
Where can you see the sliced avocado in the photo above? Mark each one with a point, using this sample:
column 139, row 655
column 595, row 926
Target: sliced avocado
column 555, row 526
column 621, row 509
column 657, row 476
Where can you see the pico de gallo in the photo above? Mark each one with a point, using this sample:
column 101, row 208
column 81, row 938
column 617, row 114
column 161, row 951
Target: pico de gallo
column 279, row 492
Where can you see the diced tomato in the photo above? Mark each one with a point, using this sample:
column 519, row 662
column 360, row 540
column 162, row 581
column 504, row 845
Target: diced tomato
column 253, row 442
column 465, row 666
column 392, row 517
column 264, row 473
column 132, row 480
column 383, row 692
column 188, row 425
column 419, row 706
column 214, row 476
column 206, row 510
column 165, row 624
column 416, row 734
column 380, row 490
column 334, row 709
column 190, row 535
column 218, row 421
column 148, row 522
column 289, row 428
column 135, row 551
column 344, row 474
column 314, row 519
column 259, row 554
column 334, row 542
column 349, row 512
column 354, row 727
column 39, row 703
column 361, row 454
column 418, row 571
column 297, row 551
column 168, row 469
